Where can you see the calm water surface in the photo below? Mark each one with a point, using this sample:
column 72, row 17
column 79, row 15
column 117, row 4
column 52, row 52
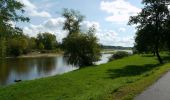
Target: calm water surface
column 32, row 68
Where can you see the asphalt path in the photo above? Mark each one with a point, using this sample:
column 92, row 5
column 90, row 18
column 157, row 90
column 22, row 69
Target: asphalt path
column 158, row 91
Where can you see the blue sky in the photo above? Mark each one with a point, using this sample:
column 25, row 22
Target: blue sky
column 109, row 16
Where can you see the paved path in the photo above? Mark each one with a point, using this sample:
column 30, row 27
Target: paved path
column 158, row 91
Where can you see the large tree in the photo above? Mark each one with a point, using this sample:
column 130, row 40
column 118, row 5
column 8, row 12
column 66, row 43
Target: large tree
column 167, row 34
column 73, row 20
column 17, row 46
column 10, row 12
column 80, row 48
column 48, row 40
column 151, row 24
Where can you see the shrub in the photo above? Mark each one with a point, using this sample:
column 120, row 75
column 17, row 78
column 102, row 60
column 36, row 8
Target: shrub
column 119, row 55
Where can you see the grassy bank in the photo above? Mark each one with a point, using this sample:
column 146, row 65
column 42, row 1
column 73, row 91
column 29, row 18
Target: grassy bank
column 121, row 80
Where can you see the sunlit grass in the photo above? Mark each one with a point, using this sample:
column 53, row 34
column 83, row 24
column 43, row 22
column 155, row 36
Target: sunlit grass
column 119, row 79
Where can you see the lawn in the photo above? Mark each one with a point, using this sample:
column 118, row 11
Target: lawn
column 120, row 79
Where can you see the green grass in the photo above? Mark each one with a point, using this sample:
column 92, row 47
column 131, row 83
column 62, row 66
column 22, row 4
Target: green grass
column 120, row 79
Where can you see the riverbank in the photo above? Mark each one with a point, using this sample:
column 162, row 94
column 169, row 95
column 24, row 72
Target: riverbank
column 38, row 54
column 54, row 54
column 120, row 79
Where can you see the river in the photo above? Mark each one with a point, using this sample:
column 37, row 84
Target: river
column 32, row 68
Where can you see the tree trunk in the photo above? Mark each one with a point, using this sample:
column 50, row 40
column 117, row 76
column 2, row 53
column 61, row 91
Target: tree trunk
column 158, row 56
column 154, row 54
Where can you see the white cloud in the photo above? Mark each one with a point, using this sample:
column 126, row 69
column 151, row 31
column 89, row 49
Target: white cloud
column 32, row 10
column 48, row 4
column 40, row 14
column 110, row 37
column 87, row 24
column 121, row 29
column 120, row 10
column 54, row 26
column 126, row 41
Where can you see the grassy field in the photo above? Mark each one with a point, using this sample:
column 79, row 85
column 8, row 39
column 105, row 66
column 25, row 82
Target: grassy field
column 120, row 80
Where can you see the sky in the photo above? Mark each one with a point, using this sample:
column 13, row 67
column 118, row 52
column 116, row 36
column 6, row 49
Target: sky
column 110, row 18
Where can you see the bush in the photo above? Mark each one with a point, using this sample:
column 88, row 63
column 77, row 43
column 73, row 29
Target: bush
column 119, row 55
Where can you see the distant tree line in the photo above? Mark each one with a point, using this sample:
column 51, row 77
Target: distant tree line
column 116, row 47
column 19, row 44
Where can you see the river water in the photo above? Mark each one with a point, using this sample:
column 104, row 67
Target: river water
column 32, row 68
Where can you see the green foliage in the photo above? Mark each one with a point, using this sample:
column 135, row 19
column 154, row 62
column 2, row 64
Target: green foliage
column 46, row 41
column 32, row 43
column 152, row 26
column 17, row 46
column 2, row 47
column 119, row 55
column 73, row 20
column 167, row 34
column 81, row 49
column 11, row 11
column 144, row 40
column 40, row 46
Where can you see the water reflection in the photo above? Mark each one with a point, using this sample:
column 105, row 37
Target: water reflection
column 31, row 68
column 104, row 59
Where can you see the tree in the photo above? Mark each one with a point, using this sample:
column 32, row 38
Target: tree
column 17, row 46
column 10, row 11
column 73, row 20
column 167, row 34
column 144, row 40
column 151, row 23
column 80, row 48
column 32, row 43
column 47, row 40
column 2, row 47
